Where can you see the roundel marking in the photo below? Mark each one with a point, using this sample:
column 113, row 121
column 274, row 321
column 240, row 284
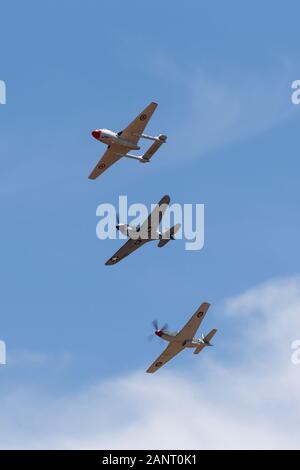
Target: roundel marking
column 158, row 364
column 101, row 166
column 200, row 314
column 143, row 117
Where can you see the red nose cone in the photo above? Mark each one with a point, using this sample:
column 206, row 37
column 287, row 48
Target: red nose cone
column 96, row 134
column 158, row 333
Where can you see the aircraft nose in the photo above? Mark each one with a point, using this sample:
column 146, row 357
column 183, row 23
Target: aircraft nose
column 96, row 134
column 158, row 333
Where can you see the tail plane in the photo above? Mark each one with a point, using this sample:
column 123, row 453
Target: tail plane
column 168, row 235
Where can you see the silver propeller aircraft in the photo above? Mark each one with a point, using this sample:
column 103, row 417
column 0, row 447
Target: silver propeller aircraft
column 182, row 339
column 120, row 143
column 140, row 235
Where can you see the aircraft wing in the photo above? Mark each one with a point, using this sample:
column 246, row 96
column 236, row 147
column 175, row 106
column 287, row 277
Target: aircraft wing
column 112, row 155
column 149, row 227
column 171, row 350
column 189, row 330
column 125, row 250
column 134, row 130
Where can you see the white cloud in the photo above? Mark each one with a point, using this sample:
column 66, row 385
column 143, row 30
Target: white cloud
column 251, row 402
column 225, row 110
column 215, row 110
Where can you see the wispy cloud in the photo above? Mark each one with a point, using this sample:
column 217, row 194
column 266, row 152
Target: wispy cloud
column 252, row 402
column 231, row 109
column 25, row 358
column 214, row 110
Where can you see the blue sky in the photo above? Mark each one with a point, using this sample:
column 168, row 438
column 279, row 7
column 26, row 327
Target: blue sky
column 221, row 74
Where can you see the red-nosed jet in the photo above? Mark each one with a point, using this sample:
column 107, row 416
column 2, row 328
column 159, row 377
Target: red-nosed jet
column 120, row 143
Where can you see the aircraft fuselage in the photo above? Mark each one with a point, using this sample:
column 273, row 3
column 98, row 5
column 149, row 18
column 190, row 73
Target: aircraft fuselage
column 109, row 137
column 171, row 336
column 136, row 234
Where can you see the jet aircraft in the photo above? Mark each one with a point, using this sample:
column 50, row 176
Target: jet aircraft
column 120, row 143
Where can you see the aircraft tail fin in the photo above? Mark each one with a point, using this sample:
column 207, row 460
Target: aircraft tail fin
column 209, row 336
column 206, row 341
column 199, row 349
column 168, row 235
column 161, row 139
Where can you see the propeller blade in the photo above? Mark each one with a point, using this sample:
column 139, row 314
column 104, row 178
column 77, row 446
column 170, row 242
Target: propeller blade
column 155, row 324
column 165, row 327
